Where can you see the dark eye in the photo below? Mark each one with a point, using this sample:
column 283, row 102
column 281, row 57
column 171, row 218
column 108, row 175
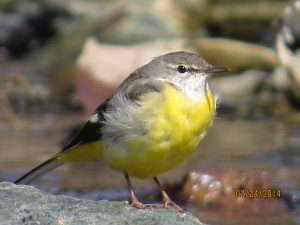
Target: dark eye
column 181, row 69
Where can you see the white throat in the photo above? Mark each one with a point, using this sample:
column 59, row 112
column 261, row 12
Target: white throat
column 194, row 86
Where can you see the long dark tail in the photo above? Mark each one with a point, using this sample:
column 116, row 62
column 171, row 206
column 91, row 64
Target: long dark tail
column 39, row 171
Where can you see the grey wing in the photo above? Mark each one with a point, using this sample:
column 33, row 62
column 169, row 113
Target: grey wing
column 119, row 120
column 120, row 104
column 136, row 85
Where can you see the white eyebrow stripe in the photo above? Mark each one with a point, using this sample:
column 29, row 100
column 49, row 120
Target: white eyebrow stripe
column 174, row 66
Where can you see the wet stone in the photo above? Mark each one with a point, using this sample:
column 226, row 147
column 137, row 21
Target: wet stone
column 23, row 204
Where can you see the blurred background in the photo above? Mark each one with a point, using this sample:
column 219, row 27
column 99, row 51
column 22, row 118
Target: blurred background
column 59, row 59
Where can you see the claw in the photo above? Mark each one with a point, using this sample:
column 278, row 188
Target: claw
column 167, row 202
column 135, row 203
column 166, row 199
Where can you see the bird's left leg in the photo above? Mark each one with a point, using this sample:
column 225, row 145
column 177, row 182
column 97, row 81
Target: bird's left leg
column 166, row 199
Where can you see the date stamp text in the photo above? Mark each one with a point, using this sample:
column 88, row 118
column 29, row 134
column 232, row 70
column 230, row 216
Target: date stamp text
column 256, row 193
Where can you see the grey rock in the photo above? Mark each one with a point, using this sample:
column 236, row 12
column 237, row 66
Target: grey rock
column 24, row 204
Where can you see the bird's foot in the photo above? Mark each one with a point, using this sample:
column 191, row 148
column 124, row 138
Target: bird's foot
column 167, row 202
column 136, row 204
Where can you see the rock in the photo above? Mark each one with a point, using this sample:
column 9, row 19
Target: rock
column 23, row 204
column 241, row 191
column 26, row 26
column 287, row 46
column 236, row 55
column 16, row 35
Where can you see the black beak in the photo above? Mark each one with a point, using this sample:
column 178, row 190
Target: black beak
column 217, row 69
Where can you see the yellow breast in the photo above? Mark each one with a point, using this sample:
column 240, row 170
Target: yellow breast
column 175, row 125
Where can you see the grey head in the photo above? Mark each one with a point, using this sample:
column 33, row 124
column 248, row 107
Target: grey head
column 184, row 70
column 179, row 64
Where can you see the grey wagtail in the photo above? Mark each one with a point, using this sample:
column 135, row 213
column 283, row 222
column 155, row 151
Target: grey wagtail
column 154, row 120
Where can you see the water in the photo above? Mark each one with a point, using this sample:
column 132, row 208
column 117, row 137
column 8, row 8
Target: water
column 267, row 146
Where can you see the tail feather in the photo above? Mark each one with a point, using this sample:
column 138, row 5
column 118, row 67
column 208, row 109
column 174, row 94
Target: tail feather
column 39, row 171
column 83, row 152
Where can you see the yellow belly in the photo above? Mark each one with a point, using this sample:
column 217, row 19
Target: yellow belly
column 175, row 123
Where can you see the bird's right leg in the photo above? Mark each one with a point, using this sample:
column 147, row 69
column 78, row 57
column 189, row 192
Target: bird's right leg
column 132, row 198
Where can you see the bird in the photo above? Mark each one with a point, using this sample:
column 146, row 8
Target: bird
column 152, row 122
